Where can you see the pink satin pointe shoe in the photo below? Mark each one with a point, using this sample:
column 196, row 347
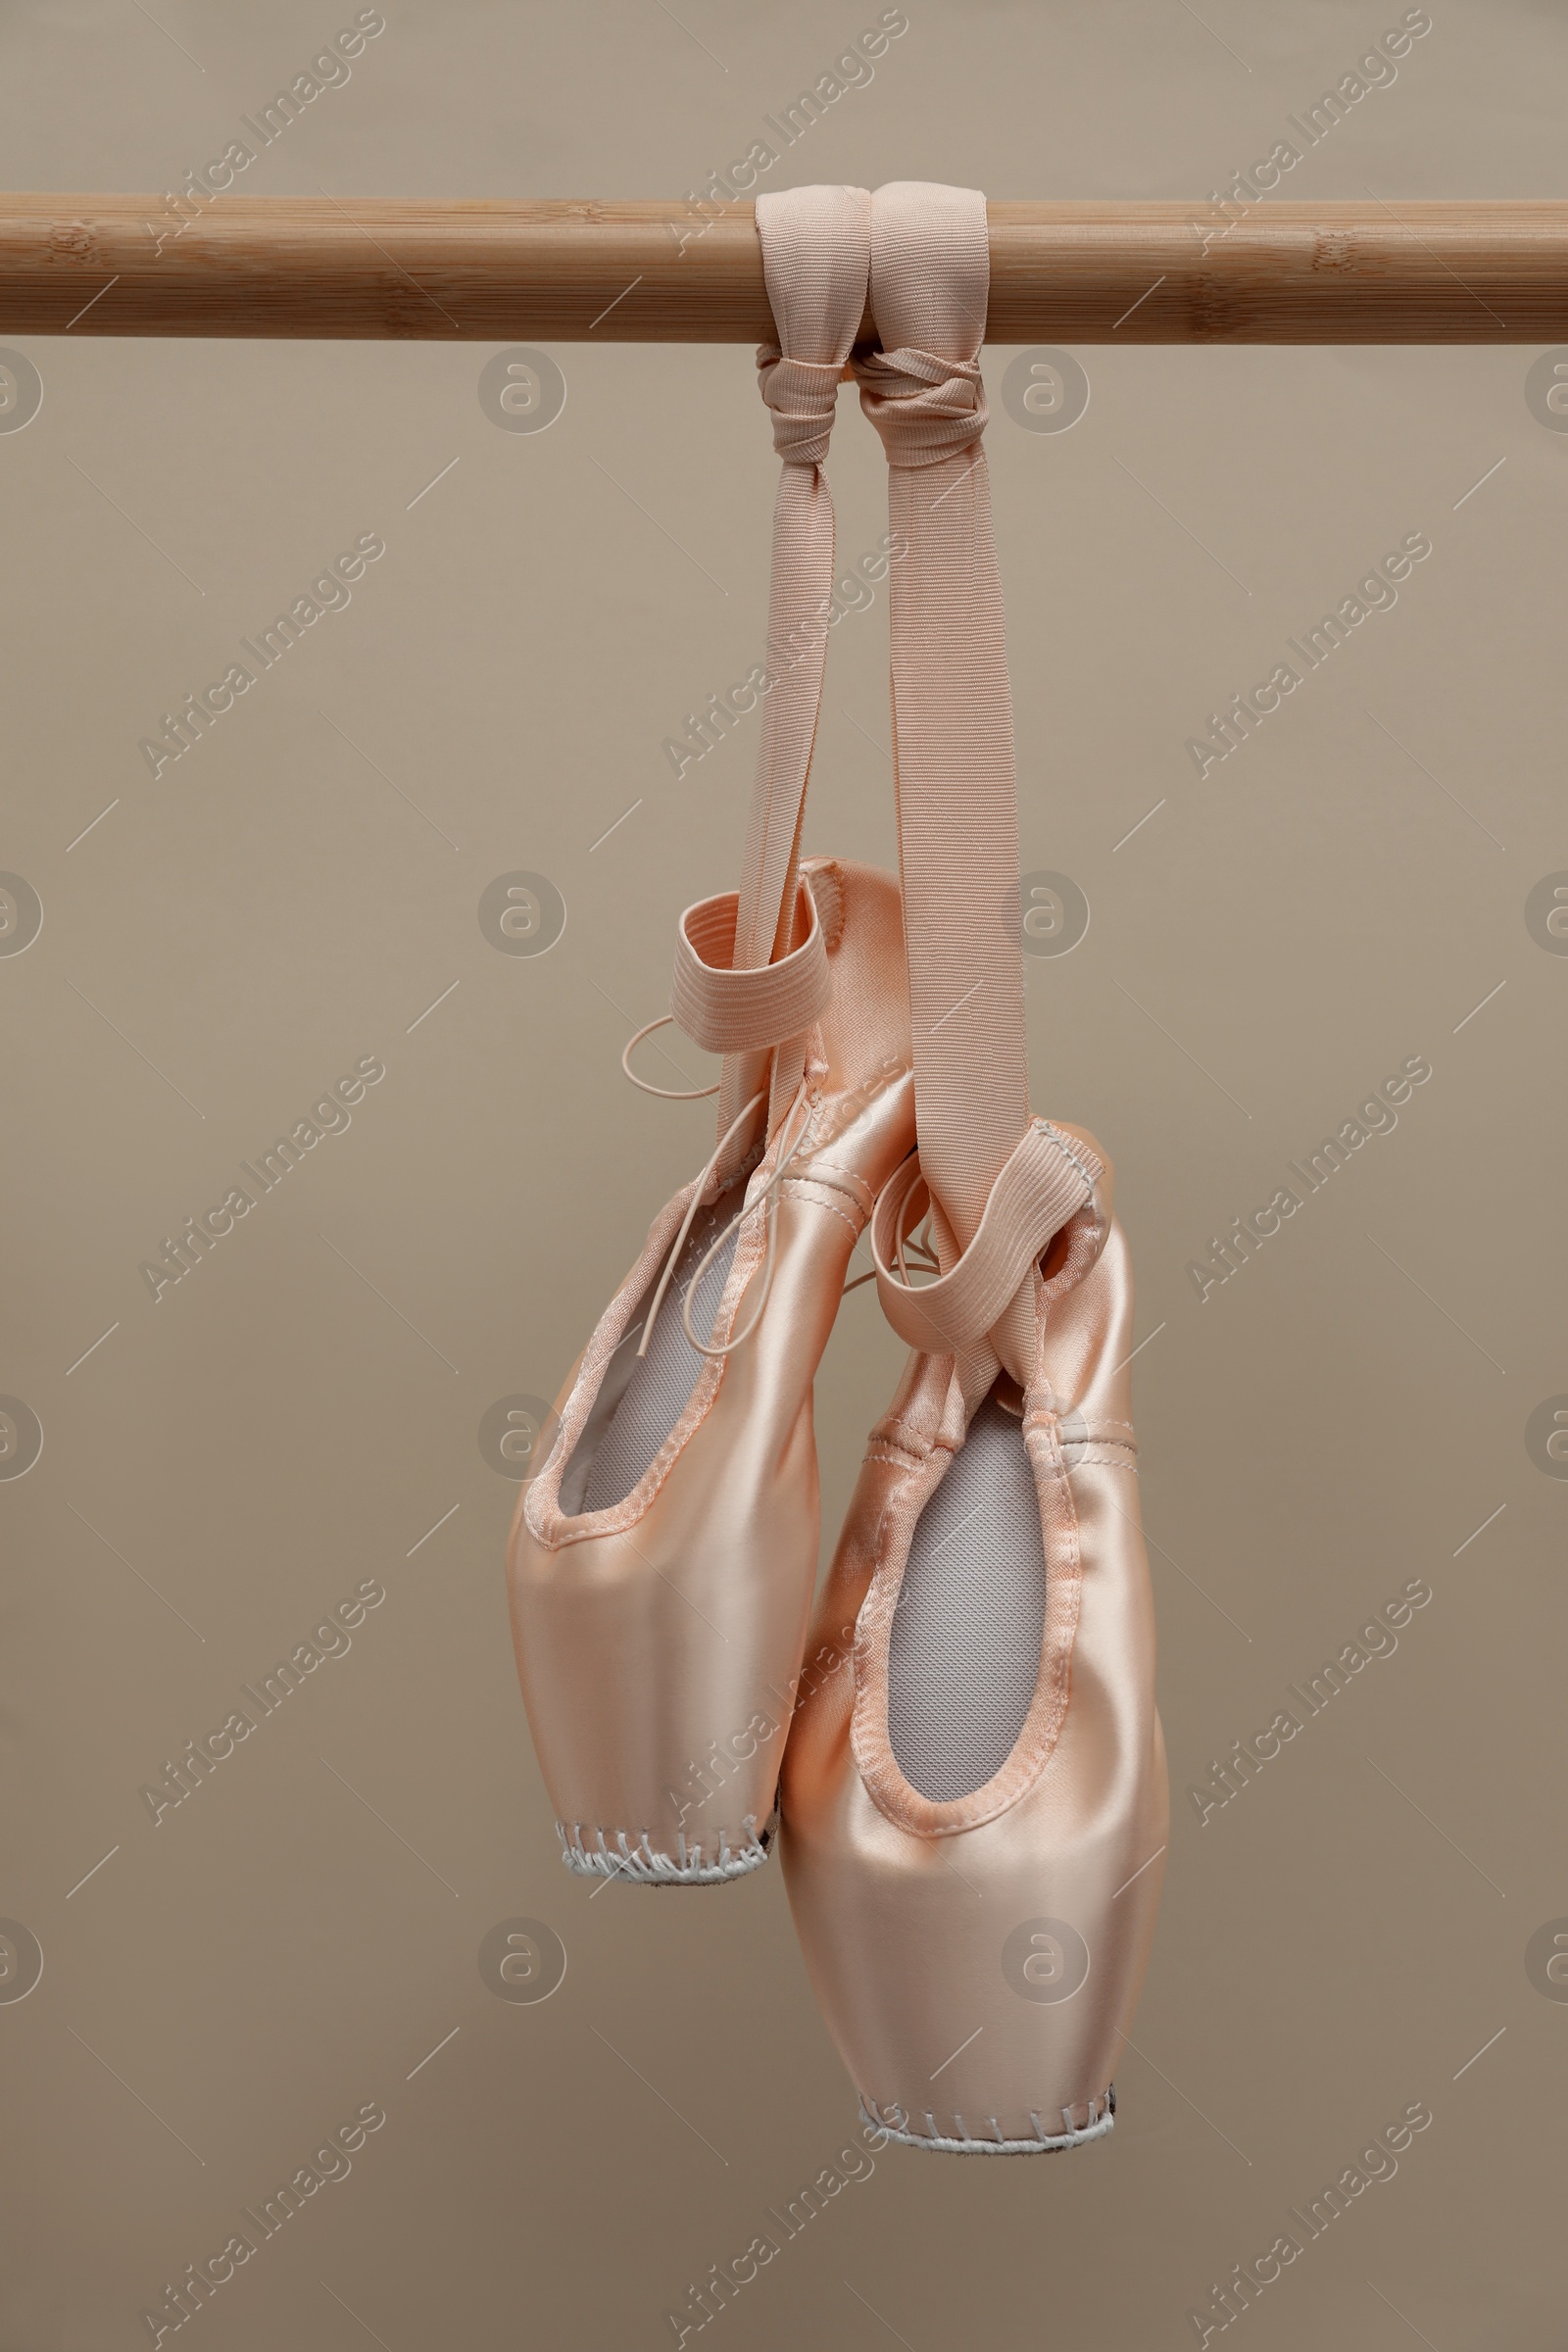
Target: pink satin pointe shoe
column 974, row 1802
column 974, row 1798
column 662, row 1563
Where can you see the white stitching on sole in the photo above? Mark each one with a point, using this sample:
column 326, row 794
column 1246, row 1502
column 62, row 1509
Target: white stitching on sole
column 644, row 1863
column 1076, row 2136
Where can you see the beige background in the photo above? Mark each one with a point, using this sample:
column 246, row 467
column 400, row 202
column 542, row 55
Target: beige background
column 232, row 1984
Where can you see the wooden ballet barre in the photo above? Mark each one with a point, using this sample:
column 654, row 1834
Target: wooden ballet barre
column 569, row 270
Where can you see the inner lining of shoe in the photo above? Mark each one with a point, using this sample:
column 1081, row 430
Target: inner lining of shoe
column 642, row 1397
column 964, row 1655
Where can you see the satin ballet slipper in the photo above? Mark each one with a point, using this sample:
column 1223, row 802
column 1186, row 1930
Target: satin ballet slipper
column 972, row 1833
column 663, row 1562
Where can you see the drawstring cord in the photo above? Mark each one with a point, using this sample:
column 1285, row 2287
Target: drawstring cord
column 689, row 1218
column 916, row 1246
column 913, row 1248
column 666, row 1094
column 767, row 1202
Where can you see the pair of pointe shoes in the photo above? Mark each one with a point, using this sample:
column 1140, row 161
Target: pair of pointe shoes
column 959, row 1754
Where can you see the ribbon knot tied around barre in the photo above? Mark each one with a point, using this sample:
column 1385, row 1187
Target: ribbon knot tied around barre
column 802, row 398
column 925, row 407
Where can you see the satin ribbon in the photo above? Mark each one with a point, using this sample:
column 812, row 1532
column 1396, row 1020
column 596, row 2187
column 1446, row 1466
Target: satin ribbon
column 816, row 245
column 995, row 1183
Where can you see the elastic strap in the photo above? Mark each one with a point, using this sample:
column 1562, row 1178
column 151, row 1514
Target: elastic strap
column 1046, row 1179
column 726, row 1010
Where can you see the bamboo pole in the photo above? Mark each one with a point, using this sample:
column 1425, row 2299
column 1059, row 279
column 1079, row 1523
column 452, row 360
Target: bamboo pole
column 569, row 270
